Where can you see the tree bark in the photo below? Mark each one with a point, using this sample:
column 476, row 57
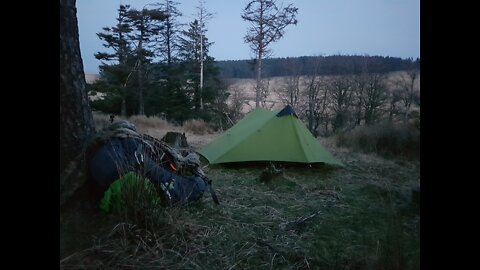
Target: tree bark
column 141, row 102
column 76, row 121
column 259, row 81
column 123, row 109
column 409, row 94
column 201, row 69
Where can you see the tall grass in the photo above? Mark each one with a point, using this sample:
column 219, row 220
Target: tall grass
column 143, row 122
column 388, row 140
column 309, row 219
column 154, row 124
column 197, row 126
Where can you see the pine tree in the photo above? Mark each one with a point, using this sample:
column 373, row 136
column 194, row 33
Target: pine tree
column 193, row 51
column 117, row 67
column 132, row 42
column 145, row 29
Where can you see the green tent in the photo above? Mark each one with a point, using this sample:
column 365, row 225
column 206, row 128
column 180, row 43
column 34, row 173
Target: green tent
column 268, row 136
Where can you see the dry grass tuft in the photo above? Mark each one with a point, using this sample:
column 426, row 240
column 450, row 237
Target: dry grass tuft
column 388, row 140
column 153, row 122
column 199, row 133
column 101, row 120
column 197, row 126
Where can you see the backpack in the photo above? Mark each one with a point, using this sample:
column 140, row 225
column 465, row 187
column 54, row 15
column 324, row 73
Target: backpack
column 177, row 176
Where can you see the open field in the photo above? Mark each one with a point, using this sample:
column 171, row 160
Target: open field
column 358, row 217
column 247, row 88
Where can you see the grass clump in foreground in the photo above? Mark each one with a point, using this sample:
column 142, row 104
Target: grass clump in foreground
column 308, row 218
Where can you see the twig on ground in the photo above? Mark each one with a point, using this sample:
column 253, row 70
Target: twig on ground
column 298, row 222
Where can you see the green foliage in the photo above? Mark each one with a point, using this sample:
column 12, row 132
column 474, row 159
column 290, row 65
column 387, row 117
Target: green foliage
column 113, row 93
column 110, row 104
column 134, row 199
column 171, row 98
column 129, row 191
column 171, row 88
column 123, row 71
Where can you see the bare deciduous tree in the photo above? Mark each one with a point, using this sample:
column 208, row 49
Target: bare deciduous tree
column 289, row 93
column 312, row 101
column 359, row 85
column 341, row 96
column 267, row 25
column 203, row 17
column 395, row 96
column 317, row 100
column 238, row 100
column 375, row 97
column 408, row 92
column 264, row 93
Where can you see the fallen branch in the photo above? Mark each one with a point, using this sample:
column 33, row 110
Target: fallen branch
column 298, row 222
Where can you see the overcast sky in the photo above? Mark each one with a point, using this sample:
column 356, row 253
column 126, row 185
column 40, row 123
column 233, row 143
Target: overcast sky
column 325, row 27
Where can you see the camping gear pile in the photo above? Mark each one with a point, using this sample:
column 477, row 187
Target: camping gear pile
column 120, row 149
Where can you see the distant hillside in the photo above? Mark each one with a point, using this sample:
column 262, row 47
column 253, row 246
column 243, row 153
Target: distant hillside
column 306, row 65
column 325, row 65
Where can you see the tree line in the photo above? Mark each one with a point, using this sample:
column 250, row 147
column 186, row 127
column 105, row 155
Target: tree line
column 328, row 65
column 337, row 103
column 157, row 66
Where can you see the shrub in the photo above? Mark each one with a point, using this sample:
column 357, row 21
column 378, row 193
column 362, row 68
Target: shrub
column 388, row 140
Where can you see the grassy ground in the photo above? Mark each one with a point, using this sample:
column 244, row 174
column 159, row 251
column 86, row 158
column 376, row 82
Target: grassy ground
column 357, row 217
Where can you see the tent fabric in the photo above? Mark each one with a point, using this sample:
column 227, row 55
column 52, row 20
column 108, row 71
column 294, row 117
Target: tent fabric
column 288, row 110
column 268, row 136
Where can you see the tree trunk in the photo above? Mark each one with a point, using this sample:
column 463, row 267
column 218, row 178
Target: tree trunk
column 123, row 110
column 201, row 69
column 409, row 99
column 392, row 110
column 168, row 40
column 311, row 102
column 141, row 102
column 76, row 121
column 259, row 81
